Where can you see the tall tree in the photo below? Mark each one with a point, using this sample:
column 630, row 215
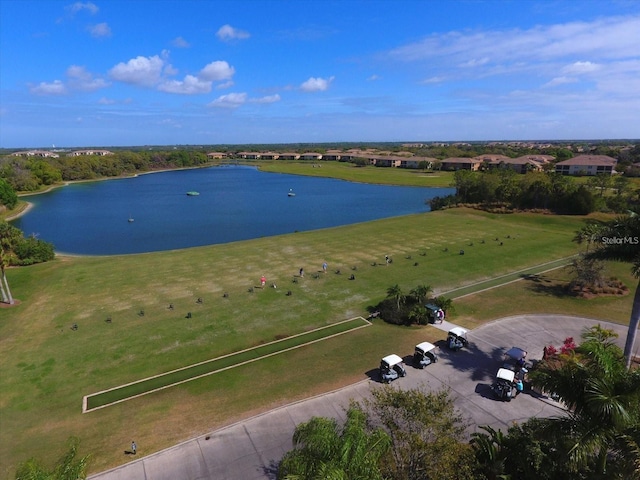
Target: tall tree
column 67, row 468
column 427, row 434
column 395, row 292
column 324, row 451
column 620, row 240
column 601, row 430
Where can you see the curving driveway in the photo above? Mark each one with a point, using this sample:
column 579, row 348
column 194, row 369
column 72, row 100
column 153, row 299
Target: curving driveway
column 251, row 449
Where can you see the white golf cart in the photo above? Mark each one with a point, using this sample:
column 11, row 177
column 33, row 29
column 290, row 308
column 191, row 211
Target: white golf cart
column 424, row 355
column 505, row 384
column 457, row 338
column 391, row 367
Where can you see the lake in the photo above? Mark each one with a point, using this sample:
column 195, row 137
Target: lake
column 234, row 203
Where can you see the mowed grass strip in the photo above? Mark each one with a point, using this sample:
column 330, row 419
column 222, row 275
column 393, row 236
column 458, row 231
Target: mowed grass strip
column 209, row 367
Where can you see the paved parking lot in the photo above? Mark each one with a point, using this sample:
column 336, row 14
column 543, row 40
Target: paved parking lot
column 251, row 449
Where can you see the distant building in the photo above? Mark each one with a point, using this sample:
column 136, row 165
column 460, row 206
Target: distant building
column 587, row 165
column 216, row 155
column 98, row 153
column 36, row 153
column 457, row 163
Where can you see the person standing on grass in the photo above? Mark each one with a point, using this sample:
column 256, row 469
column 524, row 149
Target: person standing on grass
column 134, row 447
column 324, row 267
column 301, row 272
column 263, row 280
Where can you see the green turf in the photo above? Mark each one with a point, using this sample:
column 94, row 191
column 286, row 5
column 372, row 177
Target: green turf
column 215, row 365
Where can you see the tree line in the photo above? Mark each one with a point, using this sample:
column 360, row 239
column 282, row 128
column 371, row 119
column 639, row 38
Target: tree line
column 33, row 173
column 506, row 189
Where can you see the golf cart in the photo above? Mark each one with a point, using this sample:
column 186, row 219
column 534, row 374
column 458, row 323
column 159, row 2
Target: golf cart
column 516, row 359
column 506, row 385
column 457, row 338
column 424, row 355
column 434, row 313
column 391, row 367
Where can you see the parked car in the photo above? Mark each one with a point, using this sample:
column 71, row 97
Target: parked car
column 505, row 385
column 457, row 338
column 391, row 367
column 425, row 354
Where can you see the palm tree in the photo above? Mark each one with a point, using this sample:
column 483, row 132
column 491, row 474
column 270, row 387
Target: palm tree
column 421, row 292
column 603, row 403
column 322, row 450
column 620, row 240
column 395, row 292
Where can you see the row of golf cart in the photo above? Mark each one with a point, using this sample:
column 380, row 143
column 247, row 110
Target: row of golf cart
column 510, row 378
column 392, row 366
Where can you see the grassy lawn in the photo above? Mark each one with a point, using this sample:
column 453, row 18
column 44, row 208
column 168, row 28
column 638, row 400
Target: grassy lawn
column 47, row 367
column 368, row 174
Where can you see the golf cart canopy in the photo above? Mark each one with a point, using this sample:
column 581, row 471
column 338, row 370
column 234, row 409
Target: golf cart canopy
column 505, row 374
column 516, row 353
column 432, row 308
column 425, row 347
column 458, row 332
column 392, row 360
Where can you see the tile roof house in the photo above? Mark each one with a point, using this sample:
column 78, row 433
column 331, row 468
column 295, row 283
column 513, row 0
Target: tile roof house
column 457, row 163
column 216, row 155
column 587, row 165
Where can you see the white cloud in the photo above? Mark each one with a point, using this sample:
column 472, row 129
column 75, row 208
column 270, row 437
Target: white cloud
column 231, row 100
column 100, row 30
column 578, row 68
column 90, row 7
column 54, row 88
column 142, row 71
column 266, row 99
column 180, row 42
column 614, row 37
column 81, row 79
column 218, row 70
column 106, row 101
column 189, row 86
column 227, row 33
column 373, row 78
column 316, row 84
column 554, row 82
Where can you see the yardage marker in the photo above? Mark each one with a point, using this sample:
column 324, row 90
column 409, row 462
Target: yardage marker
column 85, row 399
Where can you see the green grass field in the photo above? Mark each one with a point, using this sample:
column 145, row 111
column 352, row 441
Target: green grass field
column 47, row 366
column 218, row 364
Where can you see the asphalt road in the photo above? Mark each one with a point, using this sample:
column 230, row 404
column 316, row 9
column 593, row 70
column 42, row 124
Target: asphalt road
column 251, row 449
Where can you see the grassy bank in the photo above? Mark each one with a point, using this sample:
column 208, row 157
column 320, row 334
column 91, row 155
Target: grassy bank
column 47, row 367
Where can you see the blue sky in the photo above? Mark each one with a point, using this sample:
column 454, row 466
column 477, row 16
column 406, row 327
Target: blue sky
column 161, row 72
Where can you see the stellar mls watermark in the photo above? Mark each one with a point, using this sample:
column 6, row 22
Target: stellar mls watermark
column 620, row 240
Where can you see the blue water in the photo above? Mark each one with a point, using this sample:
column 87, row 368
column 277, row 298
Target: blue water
column 235, row 203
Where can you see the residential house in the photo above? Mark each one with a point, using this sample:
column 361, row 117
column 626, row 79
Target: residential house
column 269, row 156
column 249, row 155
column 289, row 156
column 98, row 153
column 216, row 155
column 36, row 153
column 587, row 165
column 311, row 156
column 458, row 163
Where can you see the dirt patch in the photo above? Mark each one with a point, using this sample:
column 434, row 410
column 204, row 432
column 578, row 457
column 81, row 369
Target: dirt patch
column 15, row 303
